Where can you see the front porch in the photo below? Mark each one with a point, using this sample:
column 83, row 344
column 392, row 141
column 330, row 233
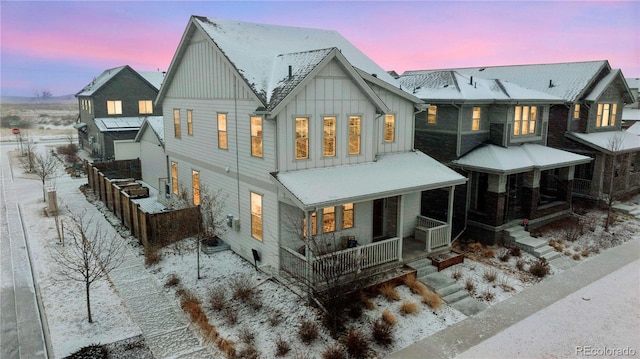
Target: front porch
column 431, row 237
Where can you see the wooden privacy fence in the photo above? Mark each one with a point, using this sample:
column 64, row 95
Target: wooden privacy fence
column 150, row 228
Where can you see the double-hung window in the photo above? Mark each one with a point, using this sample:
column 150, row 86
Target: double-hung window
column 432, row 115
column 195, row 183
column 222, row 131
column 314, row 225
column 328, row 219
column 190, row 122
column 114, row 107
column 524, row 120
column 256, row 136
column 329, row 145
column 389, row 127
column 256, row 216
column 302, row 138
column 174, row 177
column 606, row 114
column 475, row 119
column 347, row 215
column 176, row 122
column 354, row 135
column 145, row 107
column 576, row 111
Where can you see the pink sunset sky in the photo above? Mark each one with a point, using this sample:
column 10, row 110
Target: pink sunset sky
column 60, row 46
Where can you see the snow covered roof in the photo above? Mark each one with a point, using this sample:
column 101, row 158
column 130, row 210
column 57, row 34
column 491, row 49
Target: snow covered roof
column 630, row 114
column 451, row 85
column 263, row 53
column 102, row 79
column 569, row 81
column 391, row 175
column 114, row 124
column 156, row 124
column 515, row 159
column 155, row 78
column 635, row 129
column 621, row 141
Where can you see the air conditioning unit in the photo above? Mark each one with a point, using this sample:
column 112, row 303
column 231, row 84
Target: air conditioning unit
column 235, row 223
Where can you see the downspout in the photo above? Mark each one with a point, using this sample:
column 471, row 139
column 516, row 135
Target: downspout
column 423, row 107
column 458, row 130
column 235, row 109
column 376, row 133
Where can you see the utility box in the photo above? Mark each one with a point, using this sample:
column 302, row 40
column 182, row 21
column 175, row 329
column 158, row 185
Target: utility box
column 52, row 203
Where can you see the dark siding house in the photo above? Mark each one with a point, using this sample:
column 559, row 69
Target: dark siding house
column 113, row 106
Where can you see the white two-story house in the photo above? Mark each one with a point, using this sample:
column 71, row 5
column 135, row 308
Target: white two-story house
column 306, row 136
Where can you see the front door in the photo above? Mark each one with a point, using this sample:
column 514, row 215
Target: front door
column 378, row 218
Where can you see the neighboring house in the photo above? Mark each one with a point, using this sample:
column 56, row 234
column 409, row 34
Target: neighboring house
column 631, row 111
column 113, row 106
column 495, row 133
column 307, row 137
column 587, row 122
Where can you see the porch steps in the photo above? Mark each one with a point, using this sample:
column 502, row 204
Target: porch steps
column 423, row 267
column 538, row 247
column 632, row 210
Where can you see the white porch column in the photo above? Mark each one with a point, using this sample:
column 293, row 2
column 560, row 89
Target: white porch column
column 450, row 211
column 307, row 249
column 400, row 229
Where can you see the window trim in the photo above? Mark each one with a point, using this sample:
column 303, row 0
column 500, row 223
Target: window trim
column 611, row 111
column 176, row 123
column 389, row 130
column 174, row 177
column 329, row 213
column 432, row 115
column 256, row 216
column 301, row 142
column 475, row 121
column 331, row 138
column 351, row 210
column 195, row 190
column 115, row 106
column 256, row 137
column 190, row 122
column 145, row 107
column 355, row 136
column 526, row 120
column 222, row 116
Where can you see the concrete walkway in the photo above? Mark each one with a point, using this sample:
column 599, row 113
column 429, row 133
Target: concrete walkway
column 470, row 332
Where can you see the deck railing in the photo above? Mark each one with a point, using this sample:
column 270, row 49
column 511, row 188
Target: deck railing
column 436, row 234
column 581, row 186
column 338, row 263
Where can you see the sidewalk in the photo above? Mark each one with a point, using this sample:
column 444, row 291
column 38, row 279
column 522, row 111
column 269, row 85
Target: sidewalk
column 161, row 321
column 470, row 332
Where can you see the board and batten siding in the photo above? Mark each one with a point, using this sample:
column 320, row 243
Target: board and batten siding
column 154, row 165
column 403, row 110
column 330, row 93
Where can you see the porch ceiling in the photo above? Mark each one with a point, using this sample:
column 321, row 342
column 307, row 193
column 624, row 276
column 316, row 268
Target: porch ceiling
column 515, row 159
column 391, row 175
column 621, row 141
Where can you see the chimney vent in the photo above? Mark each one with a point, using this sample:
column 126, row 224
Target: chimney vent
column 290, row 72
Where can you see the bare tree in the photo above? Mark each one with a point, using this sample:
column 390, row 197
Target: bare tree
column 45, row 166
column 89, row 255
column 614, row 145
column 212, row 219
column 28, row 150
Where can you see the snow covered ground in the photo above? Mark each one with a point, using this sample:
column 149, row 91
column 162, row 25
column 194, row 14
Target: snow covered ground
column 66, row 312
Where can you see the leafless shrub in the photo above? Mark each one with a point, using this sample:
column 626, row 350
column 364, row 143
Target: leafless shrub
column 356, row 342
column 576, row 256
column 275, row 318
column 282, row 347
column 151, row 255
column 488, row 295
column 408, row 308
column 382, row 332
column 504, row 255
column 470, row 286
column 389, row 292
column 217, row 298
column 249, row 351
column 308, row 331
column 335, row 351
column 231, row 314
column 540, row 268
column 490, row 275
column 246, row 335
column 388, row 317
column 172, row 281
column 456, row 274
column 242, row 287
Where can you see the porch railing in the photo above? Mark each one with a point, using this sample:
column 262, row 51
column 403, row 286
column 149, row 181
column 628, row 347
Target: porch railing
column 338, row 263
column 581, row 186
column 436, row 234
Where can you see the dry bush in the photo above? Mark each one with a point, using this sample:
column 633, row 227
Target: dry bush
column 248, row 352
column 432, row 300
column 520, row 263
column 567, row 252
column 539, row 268
column 456, row 274
column 227, row 346
column 490, row 275
column 356, row 343
column 576, row 256
column 151, row 255
column 414, row 284
column 504, row 284
column 389, row 292
column 488, row 295
column 367, row 302
column 388, row 317
column 275, row 318
column 308, row 331
column 514, row 250
column 335, row 351
column 408, row 308
column 246, row 335
column 382, row 332
column 488, row 253
column 242, row 287
column 354, row 310
column 230, row 314
column 470, row 286
column 475, row 247
column 255, row 302
column 573, row 228
column 217, row 298
column 172, row 281
column 585, row 253
column 504, row 255
column 282, row 347
column 556, row 245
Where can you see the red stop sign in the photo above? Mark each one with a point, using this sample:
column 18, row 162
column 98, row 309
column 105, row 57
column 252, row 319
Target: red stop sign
column 16, row 131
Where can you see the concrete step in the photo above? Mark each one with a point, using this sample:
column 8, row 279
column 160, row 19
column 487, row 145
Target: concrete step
column 530, row 244
column 455, row 287
column 515, row 229
column 420, row 263
column 469, row 306
column 623, row 208
column 424, row 271
column 423, row 267
column 437, row 281
column 517, row 236
column 551, row 255
column 539, row 252
column 455, row 297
